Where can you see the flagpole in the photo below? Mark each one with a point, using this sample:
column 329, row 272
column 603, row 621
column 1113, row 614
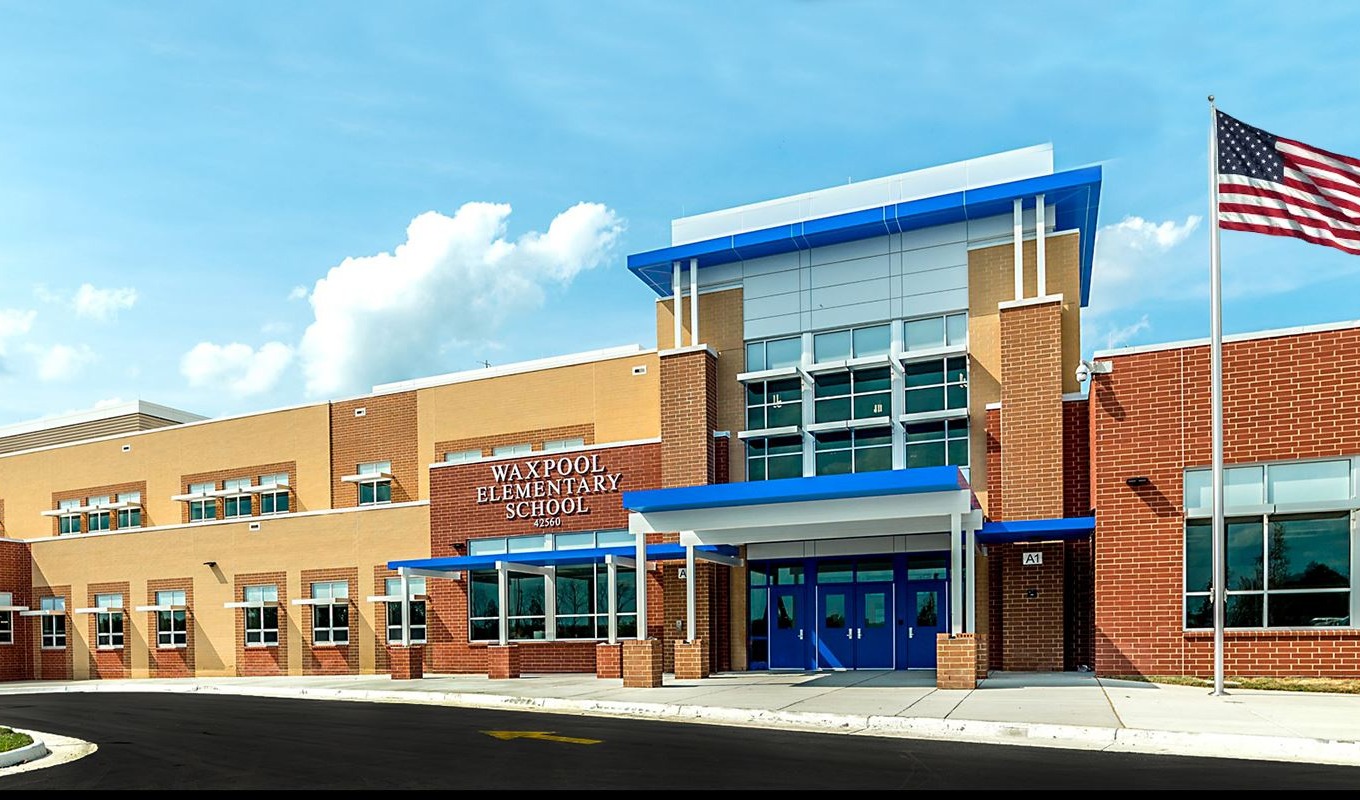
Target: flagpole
column 1216, row 400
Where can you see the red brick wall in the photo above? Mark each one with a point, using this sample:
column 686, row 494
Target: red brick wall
column 1032, row 626
column 386, row 432
column 689, row 414
column 109, row 663
column 167, row 662
column 1285, row 398
column 16, row 577
column 262, row 660
column 1076, row 441
column 1031, row 411
column 456, row 517
column 382, row 663
column 55, row 664
column 328, row 659
column 995, row 509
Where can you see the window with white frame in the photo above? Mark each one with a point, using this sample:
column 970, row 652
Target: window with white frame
column 417, row 588
column 330, row 614
column 53, row 625
column 937, row 384
column 98, row 520
column 463, row 456
column 774, row 354
column 68, row 522
column 554, row 445
column 261, row 618
column 6, row 619
column 172, row 619
column 774, row 403
column 872, row 340
column 130, row 517
column 377, row 489
column 939, row 443
column 204, row 508
column 934, row 333
column 108, row 621
column 236, row 504
column 274, row 501
column 858, row 394
column 520, row 449
column 862, row 450
column 774, row 458
column 1290, row 538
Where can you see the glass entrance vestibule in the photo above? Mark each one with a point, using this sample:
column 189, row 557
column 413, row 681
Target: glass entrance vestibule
column 848, row 612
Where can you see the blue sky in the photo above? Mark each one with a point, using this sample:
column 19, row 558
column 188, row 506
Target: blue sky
column 176, row 180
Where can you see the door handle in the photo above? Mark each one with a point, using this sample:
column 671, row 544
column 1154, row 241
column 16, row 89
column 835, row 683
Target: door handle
column 859, row 633
column 800, row 634
column 911, row 633
column 849, row 633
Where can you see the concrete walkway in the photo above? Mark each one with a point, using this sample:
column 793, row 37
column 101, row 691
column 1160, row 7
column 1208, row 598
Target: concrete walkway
column 1072, row 710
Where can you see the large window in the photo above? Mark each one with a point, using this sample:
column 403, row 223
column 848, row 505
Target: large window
column 237, row 504
column 1283, row 571
column 417, row 588
column 53, row 626
column 933, row 333
column 6, row 619
column 99, row 520
column 69, row 522
column 864, row 450
column 274, row 501
column 130, row 517
column 330, row 615
column 774, row 458
column 934, row 444
column 526, row 606
column 377, row 489
column 774, row 404
column 172, row 619
column 261, row 617
column 861, row 394
column 774, row 354
column 874, row 340
column 204, row 508
column 583, row 602
column 937, row 384
column 108, row 621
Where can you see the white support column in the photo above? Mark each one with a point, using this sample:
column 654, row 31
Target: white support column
column 641, row 580
column 690, row 581
column 1040, row 223
column 405, row 607
column 955, row 585
column 550, row 605
column 694, row 301
column 1019, row 215
column 613, row 569
column 677, row 297
column 503, row 603
column 970, row 561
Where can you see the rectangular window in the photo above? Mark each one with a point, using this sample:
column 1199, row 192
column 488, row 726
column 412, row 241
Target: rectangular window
column 237, row 505
column 100, row 521
column 774, row 354
column 583, row 602
column 206, row 508
column 937, row 384
column 1283, row 571
column 330, row 620
column 526, row 609
column 857, row 343
column 262, row 621
column 108, row 624
column 862, row 394
column 935, row 444
column 774, row 458
column 512, row 449
column 864, row 450
column 933, row 333
column 774, row 404
column 129, row 518
column 172, row 624
column 378, row 490
column 6, row 619
column 53, row 626
column 555, row 445
column 68, row 523
column 417, row 587
column 486, row 547
column 275, row 501
column 463, row 456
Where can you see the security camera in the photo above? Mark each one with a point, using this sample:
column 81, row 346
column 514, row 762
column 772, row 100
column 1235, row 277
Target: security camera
column 1083, row 372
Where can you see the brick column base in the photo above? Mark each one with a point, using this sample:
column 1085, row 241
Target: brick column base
column 608, row 660
column 981, row 657
column 956, row 661
column 407, row 663
column 691, row 660
column 642, row 663
column 502, row 661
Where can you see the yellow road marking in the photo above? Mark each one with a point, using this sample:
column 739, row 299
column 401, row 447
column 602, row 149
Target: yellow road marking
column 546, row 736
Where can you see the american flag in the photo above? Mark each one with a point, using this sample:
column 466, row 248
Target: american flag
column 1269, row 184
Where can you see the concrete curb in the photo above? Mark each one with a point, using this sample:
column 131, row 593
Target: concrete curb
column 20, row 755
column 1125, row 740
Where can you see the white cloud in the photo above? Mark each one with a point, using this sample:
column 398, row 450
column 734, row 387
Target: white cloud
column 61, row 362
column 237, row 368
column 454, row 280
column 14, row 322
column 102, row 304
column 1119, row 336
column 298, row 293
column 1134, row 263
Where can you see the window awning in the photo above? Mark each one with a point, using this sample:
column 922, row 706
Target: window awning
column 549, row 558
column 1037, row 530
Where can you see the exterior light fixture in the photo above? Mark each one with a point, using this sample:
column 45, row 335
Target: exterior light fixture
column 1136, row 481
column 210, row 564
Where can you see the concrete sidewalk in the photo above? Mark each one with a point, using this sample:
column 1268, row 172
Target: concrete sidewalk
column 1071, row 710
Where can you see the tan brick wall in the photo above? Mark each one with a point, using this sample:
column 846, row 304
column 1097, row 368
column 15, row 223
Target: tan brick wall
column 261, row 660
column 386, row 432
column 83, row 495
column 218, row 476
column 722, row 328
column 110, row 663
column 330, row 659
column 535, row 438
column 169, row 662
column 689, row 409
column 1031, row 411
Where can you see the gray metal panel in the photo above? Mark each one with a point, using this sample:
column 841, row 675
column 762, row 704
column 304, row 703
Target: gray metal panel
column 772, row 305
column 846, row 316
column 933, row 236
column 927, row 258
column 935, row 280
column 935, row 303
column 766, row 327
column 721, row 273
column 845, row 294
column 770, row 283
column 859, row 269
column 992, row 227
column 776, row 263
column 862, row 248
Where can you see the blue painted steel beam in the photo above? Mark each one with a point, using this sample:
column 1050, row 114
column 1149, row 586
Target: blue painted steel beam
column 1031, row 530
column 796, row 490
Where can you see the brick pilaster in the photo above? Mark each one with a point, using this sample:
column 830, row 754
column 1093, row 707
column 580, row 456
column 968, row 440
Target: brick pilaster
column 689, row 414
column 956, row 661
column 1031, row 409
column 642, row 663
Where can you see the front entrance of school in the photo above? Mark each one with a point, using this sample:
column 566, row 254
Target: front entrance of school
column 859, row 612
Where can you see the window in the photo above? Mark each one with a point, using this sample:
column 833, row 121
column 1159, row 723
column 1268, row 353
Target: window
column 205, row 508
column 238, row 504
column 512, row 449
column 583, row 602
column 774, row 354
column 108, row 621
column 864, row 450
column 98, row 520
column 774, row 458
column 130, row 517
column 1283, row 571
column 463, row 456
column 330, row 619
column 554, row 445
column 526, row 610
column 417, row 587
column 172, row 622
column 53, row 625
column 857, row 343
column 937, row 384
column 861, row 394
column 935, row 332
column 774, row 404
column 377, row 489
column 68, row 523
column 262, row 620
column 6, row 619
column 274, row 501
column 935, row 444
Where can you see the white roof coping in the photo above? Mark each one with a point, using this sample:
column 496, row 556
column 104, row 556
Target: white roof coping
column 1273, row 333
column 101, row 412
column 989, row 170
column 501, row 370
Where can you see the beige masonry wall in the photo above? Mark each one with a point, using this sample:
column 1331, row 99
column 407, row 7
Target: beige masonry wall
column 160, row 457
column 362, row 538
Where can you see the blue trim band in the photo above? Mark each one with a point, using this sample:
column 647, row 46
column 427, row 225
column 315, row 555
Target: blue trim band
column 1028, row 530
column 795, row 490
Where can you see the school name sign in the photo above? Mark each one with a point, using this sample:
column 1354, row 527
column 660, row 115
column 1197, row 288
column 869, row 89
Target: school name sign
column 546, row 489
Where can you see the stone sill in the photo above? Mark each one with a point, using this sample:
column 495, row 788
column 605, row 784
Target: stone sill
column 1277, row 633
column 541, row 642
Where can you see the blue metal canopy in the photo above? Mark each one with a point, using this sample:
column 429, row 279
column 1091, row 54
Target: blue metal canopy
column 544, row 558
column 1035, row 530
column 1075, row 193
column 793, row 490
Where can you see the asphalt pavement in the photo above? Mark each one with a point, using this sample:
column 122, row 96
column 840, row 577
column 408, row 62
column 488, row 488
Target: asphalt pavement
column 169, row 741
